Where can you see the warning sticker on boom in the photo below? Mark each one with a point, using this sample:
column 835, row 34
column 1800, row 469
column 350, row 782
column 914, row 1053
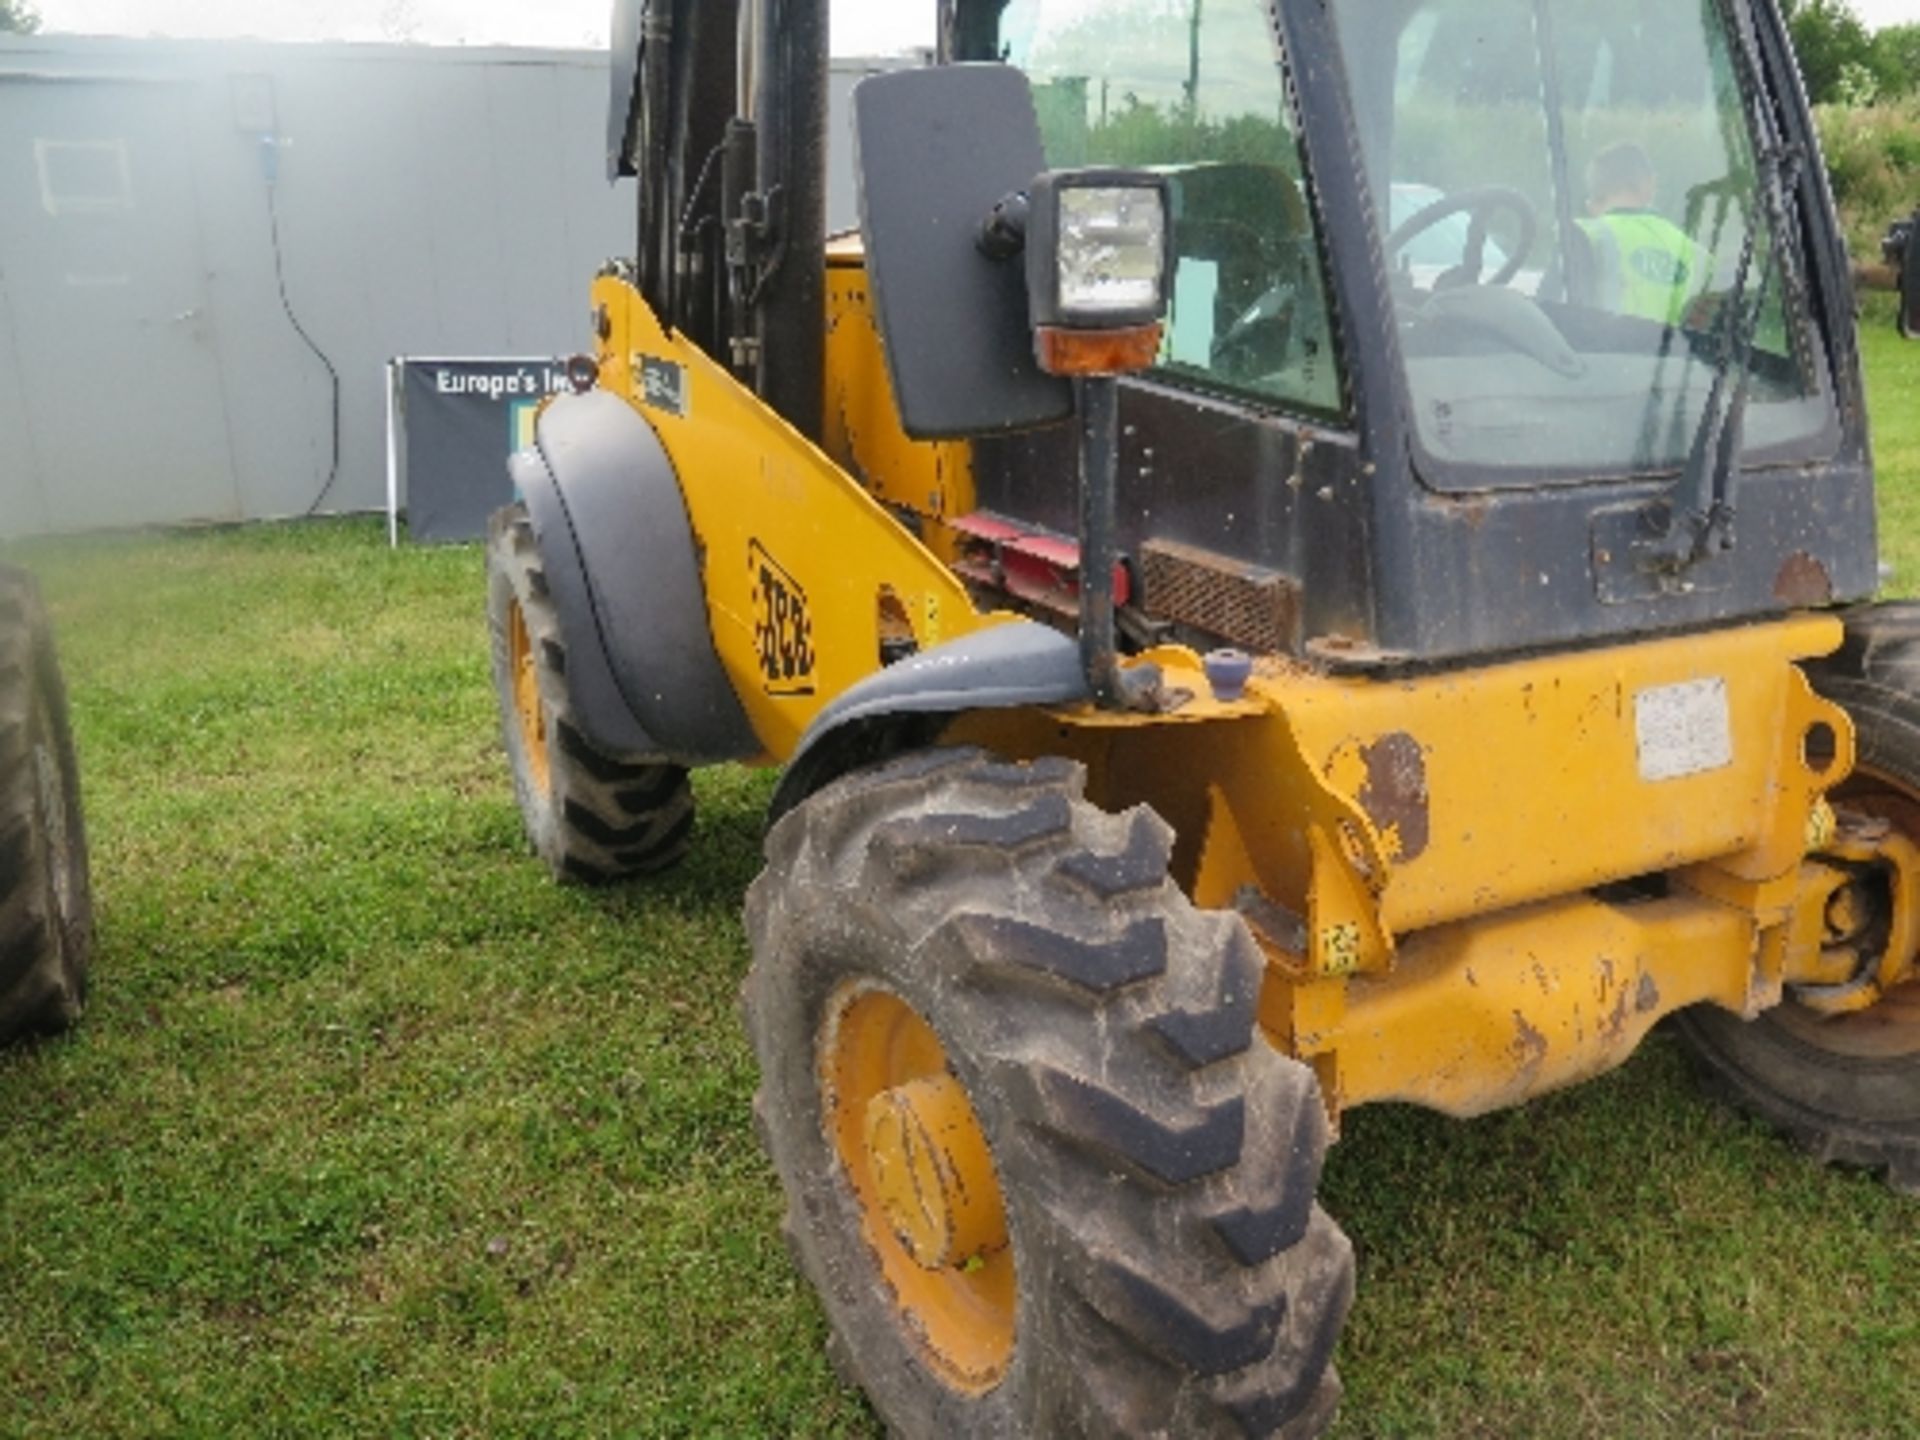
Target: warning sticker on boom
column 663, row 384
column 1683, row 729
column 782, row 628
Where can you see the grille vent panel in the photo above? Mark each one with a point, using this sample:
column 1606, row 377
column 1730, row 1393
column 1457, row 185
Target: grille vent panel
column 1253, row 607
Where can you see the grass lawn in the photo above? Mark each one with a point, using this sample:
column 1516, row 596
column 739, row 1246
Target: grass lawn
column 370, row 1130
column 1893, row 405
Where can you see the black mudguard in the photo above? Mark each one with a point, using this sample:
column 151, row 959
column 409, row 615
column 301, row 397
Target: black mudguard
column 1005, row 668
column 624, row 572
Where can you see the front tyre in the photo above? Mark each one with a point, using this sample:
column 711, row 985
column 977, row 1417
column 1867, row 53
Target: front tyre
column 1847, row 1087
column 1043, row 1174
column 592, row 816
column 46, row 898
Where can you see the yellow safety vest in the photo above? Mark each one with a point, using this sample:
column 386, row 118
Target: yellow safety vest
column 1657, row 268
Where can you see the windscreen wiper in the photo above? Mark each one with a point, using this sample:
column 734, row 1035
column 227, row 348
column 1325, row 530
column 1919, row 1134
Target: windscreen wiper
column 1700, row 505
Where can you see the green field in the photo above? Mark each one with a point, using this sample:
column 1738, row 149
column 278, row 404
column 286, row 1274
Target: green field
column 371, row 1131
column 1893, row 405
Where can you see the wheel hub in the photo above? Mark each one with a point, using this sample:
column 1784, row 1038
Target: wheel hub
column 922, row 1181
column 929, row 1159
column 1885, row 1030
column 1869, row 1007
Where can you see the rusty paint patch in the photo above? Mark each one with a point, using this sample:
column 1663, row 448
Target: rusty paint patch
column 1274, row 925
column 1529, row 1045
column 1640, row 998
column 1802, row 580
column 1395, row 793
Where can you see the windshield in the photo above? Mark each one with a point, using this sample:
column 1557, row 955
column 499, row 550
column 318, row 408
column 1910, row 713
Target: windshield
column 1198, row 94
column 1597, row 155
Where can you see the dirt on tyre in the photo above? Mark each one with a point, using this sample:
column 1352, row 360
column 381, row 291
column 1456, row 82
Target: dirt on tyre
column 1041, row 1170
column 1846, row 1087
column 592, row 816
column 46, row 899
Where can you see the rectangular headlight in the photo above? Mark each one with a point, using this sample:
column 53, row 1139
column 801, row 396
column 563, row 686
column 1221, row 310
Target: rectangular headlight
column 1097, row 249
column 1112, row 255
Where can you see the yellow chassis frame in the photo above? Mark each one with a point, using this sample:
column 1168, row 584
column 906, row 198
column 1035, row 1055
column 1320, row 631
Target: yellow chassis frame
column 1471, row 888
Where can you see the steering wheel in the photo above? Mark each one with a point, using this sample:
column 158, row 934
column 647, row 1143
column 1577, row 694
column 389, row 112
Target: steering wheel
column 1260, row 337
column 1481, row 202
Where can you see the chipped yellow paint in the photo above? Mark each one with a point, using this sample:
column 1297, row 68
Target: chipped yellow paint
column 1484, row 1014
column 1430, row 842
column 1420, row 981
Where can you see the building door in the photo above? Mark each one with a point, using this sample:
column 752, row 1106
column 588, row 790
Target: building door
column 109, row 342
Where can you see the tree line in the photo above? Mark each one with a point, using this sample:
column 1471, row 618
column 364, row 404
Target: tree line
column 1842, row 63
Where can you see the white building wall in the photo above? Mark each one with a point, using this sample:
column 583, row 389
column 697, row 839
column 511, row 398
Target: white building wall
column 430, row 202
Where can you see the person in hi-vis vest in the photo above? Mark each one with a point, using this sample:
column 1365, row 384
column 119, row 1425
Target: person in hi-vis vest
column 1643, row 263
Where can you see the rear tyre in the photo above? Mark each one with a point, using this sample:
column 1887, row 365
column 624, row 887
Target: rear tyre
column 46, row 900
column 592, row 816
column 1846, row 1087
column 1041, row 1171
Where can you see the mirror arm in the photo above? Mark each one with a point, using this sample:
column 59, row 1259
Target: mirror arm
column 1097, row 401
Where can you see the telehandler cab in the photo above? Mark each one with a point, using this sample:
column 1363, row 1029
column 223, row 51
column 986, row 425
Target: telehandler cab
column 1307, row 553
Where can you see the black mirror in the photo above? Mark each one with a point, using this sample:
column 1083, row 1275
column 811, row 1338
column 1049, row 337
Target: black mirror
column 936, row 150
column 624, row 72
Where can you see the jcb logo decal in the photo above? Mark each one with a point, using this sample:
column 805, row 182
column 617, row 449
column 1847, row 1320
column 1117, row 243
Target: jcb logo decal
column 782, row 628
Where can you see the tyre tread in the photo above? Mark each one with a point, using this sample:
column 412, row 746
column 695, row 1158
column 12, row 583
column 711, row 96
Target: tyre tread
column 1115, row 1026
column 44, row 956
column 605, row 817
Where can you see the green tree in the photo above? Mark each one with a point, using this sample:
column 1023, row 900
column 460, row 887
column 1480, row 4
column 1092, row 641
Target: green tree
column 1896, row 60
column 18, row 16
column 1828, row 38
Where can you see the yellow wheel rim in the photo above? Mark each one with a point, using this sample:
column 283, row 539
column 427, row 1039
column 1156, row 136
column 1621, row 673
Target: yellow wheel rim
column 1885, row 1030
column 929, row 1199
column 1889, row 1028
column 527, row 708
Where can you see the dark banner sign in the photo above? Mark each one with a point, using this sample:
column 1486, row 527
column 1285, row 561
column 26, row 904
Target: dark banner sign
column 451, row 426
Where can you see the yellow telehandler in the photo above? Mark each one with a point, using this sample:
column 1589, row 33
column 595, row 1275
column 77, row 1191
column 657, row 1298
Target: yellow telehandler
column 1306, row 553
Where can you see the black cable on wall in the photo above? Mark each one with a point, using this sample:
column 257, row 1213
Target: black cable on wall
column 270, row 165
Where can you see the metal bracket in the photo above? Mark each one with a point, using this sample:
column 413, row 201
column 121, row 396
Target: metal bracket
column 1880, row 951
column 1634, row 555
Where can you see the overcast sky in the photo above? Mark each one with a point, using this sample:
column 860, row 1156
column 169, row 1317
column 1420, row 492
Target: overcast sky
column 1886, row 12
column 860, row 27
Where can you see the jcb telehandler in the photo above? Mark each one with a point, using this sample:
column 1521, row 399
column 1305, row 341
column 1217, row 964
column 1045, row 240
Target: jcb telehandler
column 1307, row 553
